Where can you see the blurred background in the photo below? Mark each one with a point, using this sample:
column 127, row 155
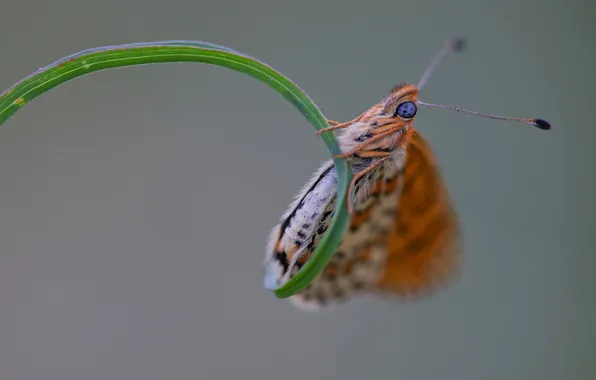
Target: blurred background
column 136, row 203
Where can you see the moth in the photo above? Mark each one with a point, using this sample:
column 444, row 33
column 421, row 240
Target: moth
column 404, row 238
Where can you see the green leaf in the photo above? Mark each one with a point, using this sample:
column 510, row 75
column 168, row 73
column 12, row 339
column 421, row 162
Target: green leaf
column 103, row 58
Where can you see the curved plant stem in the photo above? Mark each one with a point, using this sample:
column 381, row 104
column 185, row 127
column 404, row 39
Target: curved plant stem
column 102, row 58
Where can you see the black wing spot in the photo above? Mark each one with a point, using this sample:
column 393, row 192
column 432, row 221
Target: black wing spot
column 326, row 215
column 358, row 285
column 283, row 260
column 321, row 230
column 389, row 212
column 338, row 293
column 320, row 297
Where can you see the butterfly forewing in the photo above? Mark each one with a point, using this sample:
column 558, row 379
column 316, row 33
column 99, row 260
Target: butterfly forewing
column 423, row 248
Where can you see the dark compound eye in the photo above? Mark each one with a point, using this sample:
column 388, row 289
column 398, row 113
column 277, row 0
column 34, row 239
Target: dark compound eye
column 407, row 110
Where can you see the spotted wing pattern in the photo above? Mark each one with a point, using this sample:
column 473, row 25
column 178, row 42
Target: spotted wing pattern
column 402, row 236
column 355, row 267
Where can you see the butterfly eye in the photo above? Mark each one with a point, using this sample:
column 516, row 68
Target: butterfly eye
column 407, row 110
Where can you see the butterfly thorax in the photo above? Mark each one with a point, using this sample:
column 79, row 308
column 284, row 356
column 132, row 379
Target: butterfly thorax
column 392, row 145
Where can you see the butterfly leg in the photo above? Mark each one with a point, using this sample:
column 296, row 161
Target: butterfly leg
column 334, row 127
column 377, row 137
column 337, row 125
column 383, row 155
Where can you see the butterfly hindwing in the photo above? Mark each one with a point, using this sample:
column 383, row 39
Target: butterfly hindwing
column 355, row 266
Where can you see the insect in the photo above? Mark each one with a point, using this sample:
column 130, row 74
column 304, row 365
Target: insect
column 403, row 238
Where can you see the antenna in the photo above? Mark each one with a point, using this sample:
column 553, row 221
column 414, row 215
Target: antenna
column 454, row 45
column 539, row 123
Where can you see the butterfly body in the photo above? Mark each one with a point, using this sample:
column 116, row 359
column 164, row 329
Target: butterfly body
column 376, row 145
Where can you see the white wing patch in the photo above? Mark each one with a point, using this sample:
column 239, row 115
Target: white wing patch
column 300, row 227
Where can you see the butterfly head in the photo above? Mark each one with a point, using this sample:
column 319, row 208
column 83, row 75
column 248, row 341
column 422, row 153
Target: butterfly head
column 383, row 127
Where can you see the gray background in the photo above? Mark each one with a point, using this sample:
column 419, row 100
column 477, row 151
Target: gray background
column 135, row 203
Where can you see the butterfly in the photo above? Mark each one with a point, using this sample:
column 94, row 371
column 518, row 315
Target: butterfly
column 403, row 238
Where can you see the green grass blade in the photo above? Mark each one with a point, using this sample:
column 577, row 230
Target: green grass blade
column 102, row 58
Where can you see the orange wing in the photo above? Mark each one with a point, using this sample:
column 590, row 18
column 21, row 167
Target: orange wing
column 423, row 248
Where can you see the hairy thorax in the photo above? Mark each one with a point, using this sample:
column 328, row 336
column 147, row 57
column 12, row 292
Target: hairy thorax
column 394, row 144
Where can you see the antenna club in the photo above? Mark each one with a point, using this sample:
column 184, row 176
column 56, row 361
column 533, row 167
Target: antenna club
column 542, row 124
column 457, row 44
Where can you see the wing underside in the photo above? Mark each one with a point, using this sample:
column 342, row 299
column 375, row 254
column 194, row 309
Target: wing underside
column 403, row 237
